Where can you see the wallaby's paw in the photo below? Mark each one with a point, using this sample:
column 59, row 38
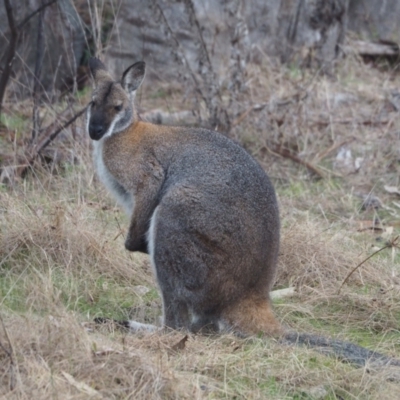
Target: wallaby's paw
column 136, row 245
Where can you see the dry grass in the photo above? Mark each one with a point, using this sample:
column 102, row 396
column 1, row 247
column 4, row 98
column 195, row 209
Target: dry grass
column 62, row 263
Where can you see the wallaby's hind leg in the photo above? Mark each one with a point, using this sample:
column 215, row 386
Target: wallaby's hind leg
column 204, row 325
column 175, row 312
column 252, row 315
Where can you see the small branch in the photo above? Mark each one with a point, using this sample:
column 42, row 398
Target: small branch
column 182, row 51
column 255, row 107
column 35, row 152
column 335, row 146
column 192, row 15
column 51, row 137
column 367, row 122
column 218, row 115
column 26, row 19
column 392, row 243
column 287, row 154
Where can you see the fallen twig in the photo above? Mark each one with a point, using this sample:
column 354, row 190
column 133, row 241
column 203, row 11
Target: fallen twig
column 372, row 48
column 287, row 154
column 335, row 146
column 392, row 243
column 346, row 121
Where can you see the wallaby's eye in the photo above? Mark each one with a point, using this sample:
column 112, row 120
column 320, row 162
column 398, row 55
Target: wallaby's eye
column 118, row 107
column 93, row 103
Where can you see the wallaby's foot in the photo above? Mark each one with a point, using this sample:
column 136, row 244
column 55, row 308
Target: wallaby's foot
column 131, row 325
column 135, row 326
column 252, row 316
column 175, row 313
column 204, row 326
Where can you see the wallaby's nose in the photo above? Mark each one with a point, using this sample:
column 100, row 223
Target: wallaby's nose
column 96, row 131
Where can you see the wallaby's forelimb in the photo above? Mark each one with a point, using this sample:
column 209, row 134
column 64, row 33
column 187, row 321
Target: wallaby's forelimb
column 145, row 204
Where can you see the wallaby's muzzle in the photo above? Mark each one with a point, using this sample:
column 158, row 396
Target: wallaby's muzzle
column 96, row 130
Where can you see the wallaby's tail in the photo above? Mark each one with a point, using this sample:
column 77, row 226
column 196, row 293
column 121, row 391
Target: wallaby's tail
column 346, row 351
column 252, row 315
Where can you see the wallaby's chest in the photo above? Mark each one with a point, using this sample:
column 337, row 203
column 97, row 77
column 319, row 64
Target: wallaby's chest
column 117, row 189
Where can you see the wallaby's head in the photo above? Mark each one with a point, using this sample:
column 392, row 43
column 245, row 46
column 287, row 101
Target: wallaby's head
column 111, row 109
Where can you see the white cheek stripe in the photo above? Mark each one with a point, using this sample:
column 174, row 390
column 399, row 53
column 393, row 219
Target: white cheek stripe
column 110, row 130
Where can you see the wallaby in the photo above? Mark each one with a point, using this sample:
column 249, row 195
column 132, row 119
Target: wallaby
column 202, row 208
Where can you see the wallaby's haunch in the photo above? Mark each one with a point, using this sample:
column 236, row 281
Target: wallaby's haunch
column 201, row 207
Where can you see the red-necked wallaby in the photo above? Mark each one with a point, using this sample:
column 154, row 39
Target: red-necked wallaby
column 202, row 208
column 200, row 205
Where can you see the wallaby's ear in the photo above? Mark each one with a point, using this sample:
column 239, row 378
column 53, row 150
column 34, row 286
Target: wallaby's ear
column 133, row 76
column 98, row 70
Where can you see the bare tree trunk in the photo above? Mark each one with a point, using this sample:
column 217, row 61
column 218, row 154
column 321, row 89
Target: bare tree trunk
column 312, row 31
column 13, row 41
column 10, row 54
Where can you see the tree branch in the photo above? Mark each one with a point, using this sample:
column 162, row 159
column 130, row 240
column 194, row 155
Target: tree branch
column 34, row 153
column 26, row 19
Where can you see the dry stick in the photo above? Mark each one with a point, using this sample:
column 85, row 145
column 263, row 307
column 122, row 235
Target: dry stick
column 217, row 113
column 183, row 53
column 390, row 244
column 287, row 154
column 26, row 20
column 190, row 6
column 9, row 353
column 242, row 116
column 329, row 150
column 58, row 131
column 36, row 151
column 345, row 121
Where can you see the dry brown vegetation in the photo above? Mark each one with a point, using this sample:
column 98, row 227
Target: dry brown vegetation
column 62, row 260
